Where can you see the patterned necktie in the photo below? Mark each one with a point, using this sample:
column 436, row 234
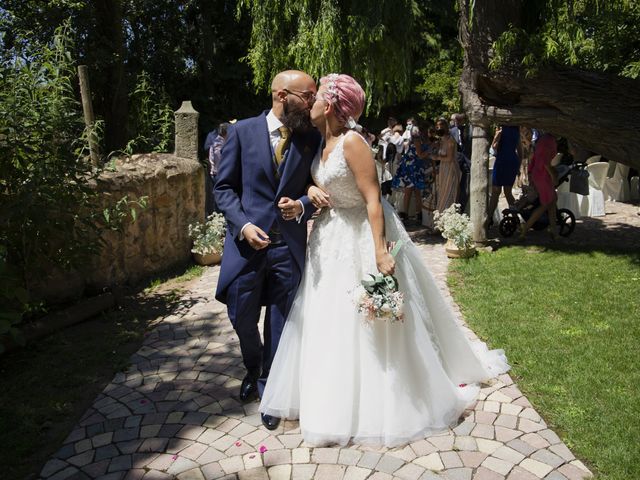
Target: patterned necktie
column 283, row 143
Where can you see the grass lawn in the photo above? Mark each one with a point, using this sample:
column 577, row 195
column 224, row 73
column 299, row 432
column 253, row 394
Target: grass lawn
column 570, row 324
column 47, row 386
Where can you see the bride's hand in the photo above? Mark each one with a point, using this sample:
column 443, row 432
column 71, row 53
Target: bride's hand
column 319, row 198
column 386, row 263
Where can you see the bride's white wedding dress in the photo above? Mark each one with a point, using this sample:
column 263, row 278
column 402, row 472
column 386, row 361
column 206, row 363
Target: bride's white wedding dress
column 345, row 378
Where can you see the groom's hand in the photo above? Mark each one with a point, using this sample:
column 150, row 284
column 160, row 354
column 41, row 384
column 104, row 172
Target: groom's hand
column 256, row 237
column 290, row 209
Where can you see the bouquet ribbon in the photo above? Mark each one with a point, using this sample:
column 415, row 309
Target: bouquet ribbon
column 396, row 248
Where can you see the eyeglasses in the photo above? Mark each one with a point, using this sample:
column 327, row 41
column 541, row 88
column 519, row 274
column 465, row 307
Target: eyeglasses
column 308, row 97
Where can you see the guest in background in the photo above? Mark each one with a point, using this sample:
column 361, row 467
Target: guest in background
column 386, row 134
column 213, row 145
column 426, row 145
column 461, row 133
column 449, row 174
column 408, row 133
column 506, row 143
column 410, row 177
column 526, row 139
column 543, row 177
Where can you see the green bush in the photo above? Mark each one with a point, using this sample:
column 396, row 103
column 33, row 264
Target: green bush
column 46, row 219
column 151, row 118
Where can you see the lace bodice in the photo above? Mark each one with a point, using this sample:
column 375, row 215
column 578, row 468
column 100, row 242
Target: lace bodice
column 336, row 178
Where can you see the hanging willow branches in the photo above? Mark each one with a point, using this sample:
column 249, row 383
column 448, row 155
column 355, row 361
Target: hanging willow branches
column 371, row 41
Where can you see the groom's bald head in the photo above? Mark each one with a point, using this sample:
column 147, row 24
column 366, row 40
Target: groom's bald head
column 292, row 80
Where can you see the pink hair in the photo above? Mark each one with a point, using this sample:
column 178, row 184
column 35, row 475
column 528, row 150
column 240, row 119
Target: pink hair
column 346, row 95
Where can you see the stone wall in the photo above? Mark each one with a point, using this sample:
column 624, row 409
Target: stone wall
column 157, row 240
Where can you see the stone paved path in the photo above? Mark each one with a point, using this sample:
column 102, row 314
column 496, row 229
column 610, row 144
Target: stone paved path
column 175, row 414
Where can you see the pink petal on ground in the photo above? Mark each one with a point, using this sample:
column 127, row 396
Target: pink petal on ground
column 462, row 385
column 262, row 449
column 238, row 444
column 175, row 457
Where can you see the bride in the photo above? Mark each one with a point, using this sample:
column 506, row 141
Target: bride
column 346, row 378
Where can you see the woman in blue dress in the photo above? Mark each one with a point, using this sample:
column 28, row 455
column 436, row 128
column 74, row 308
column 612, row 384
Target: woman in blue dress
column 410, row 176
column 508, row 148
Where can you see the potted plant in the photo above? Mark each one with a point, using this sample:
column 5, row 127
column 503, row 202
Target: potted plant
column 457, row 229
column 208, row 239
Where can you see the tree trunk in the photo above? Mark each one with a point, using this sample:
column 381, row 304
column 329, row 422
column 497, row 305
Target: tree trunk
column 109, row 40
column 599, row 111
column 479, row 183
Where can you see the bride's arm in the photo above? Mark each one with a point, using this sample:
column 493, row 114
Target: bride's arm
column 358, row 156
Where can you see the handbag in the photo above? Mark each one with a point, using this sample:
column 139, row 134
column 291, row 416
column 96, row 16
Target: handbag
column 579, row 182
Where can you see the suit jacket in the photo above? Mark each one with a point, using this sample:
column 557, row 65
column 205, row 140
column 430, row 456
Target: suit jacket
column 247, row 191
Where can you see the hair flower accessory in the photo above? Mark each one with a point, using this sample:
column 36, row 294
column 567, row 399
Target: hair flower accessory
column 332, row 89
column 351, row 123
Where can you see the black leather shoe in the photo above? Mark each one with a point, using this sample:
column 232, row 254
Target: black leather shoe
column 249, row 388
column 271, row 423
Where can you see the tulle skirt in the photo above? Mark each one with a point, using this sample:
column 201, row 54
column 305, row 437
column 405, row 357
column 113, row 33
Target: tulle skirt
column 379, row 383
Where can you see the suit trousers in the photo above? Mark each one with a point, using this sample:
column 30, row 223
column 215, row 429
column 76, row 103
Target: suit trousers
column 270, row 279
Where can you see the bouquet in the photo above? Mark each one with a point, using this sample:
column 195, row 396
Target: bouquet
column 381, row 299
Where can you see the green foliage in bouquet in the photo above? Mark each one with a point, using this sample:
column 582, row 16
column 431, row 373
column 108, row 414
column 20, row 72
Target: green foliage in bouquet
column 380, row 284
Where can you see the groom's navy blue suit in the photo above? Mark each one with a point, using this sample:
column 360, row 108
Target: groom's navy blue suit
column 248, row 188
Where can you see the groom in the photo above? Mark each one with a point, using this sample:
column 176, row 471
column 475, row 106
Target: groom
column 260, row 188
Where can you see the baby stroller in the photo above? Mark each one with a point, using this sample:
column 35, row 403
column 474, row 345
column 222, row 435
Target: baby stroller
column 528, row 202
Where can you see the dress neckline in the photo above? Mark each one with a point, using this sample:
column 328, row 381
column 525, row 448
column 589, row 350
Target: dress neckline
column 322, row 145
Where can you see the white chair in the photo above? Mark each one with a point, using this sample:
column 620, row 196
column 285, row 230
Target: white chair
column 592, row 205
column 593, row 159
column 616, row 186
column 634, row 188
column 568, row 199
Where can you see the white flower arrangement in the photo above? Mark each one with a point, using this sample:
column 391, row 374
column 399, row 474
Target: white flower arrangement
column 208, row 237
column 455, row 226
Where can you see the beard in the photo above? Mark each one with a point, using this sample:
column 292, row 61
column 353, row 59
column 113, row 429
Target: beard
column 297, row 120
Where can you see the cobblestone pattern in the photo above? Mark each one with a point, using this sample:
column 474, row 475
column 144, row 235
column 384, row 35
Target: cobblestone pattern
column 175, row 414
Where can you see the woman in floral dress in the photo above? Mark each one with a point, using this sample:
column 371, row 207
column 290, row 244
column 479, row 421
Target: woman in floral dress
column 410, row 177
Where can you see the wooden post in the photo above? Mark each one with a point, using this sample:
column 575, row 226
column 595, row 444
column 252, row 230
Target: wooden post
column 87, row 109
